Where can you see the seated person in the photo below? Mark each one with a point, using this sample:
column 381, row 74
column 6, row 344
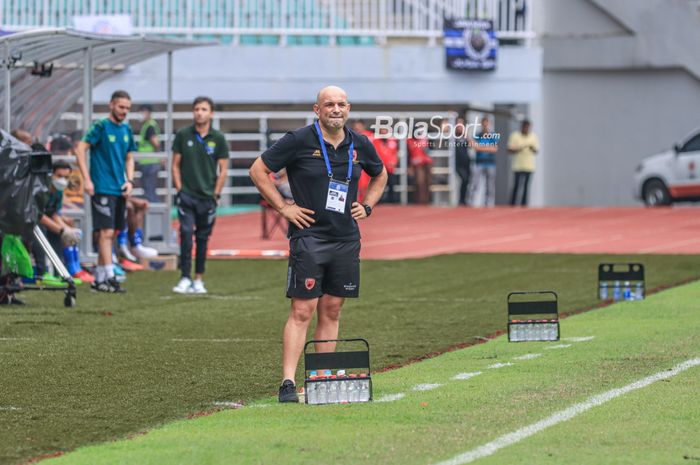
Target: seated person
column 59, row 230
column 133, row 236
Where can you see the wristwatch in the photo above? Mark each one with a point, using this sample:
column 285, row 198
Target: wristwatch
column 368, row 209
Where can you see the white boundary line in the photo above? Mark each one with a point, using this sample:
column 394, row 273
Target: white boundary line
column 463, row 376
column 528, row 357
column 564, row 415
column 558, row 346
column 234, row 339
column 425, row 387
column 499, row 365
column 391, row 397
column 579, row 339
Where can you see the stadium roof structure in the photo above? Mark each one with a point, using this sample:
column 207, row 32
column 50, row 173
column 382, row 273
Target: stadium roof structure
column 47, row 71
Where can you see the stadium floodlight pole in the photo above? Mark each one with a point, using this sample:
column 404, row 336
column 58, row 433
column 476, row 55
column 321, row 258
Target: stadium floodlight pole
column 8, row 85
column 87, row 120
column 169, row 152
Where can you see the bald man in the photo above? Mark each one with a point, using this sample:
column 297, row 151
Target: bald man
column 323, row 161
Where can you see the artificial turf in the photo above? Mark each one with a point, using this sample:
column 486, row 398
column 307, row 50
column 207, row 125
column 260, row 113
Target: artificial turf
column 120, row 364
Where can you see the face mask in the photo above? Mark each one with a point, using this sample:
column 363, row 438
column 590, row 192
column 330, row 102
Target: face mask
column 59, row 183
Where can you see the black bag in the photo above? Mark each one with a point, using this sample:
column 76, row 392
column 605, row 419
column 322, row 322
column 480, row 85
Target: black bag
column 24, row 185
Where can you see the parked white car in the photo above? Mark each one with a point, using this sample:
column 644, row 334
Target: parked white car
column 671, row 176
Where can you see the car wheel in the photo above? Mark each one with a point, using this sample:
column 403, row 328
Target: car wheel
column 655, row 193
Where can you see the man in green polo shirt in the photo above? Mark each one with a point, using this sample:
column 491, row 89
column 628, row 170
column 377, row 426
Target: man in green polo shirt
column 200, row 162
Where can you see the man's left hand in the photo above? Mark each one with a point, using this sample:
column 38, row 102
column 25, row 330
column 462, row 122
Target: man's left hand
column 127, row 187
column 358, row 211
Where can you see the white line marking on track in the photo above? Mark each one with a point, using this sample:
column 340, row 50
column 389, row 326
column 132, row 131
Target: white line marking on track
column 558, row 346
column 17, row 339
column 233, row 339
column 564, row 415
column 391, row 397
column 499, row 365
column 425, row 387
column 463, row 376
column 9, row 409
column 579, row 339
column 528, row 356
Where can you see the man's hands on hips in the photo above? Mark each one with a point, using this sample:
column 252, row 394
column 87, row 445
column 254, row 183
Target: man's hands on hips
column 299, row 216
column 358, row 211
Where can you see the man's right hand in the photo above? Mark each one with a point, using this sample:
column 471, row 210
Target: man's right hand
column 71, row 236
column 89, row 187
column 298, row 216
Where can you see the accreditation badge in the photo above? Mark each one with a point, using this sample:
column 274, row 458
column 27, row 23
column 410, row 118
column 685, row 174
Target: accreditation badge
column 337, row 196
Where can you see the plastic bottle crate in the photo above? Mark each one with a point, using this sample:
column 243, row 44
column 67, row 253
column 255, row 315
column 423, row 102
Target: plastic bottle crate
column 524, row 304
column 341, row 387
column 621, row 281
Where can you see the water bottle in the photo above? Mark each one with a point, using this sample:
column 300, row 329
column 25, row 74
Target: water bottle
column 616, row 290
column 528, row 332
column 352, row 388
column 312, row 389
column 333, row 390
column 627, row 291
column 639, row 291
column 603, row 289
column 322, row 391
column 343, row 397
column 364, row 388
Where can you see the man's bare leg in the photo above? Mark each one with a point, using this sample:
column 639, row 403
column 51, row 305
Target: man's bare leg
column 104, row 250
column 329, row 307
column 295, row 329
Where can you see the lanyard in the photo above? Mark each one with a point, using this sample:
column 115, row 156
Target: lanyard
column 209, row 150
column 351, row 151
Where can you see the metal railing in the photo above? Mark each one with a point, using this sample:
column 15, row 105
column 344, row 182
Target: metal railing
column 351, row 22
column 263, row 129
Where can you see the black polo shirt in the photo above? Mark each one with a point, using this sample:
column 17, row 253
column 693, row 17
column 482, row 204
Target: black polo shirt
column 300, row 153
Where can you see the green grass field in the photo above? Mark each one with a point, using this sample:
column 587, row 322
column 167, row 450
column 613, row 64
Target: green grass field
column 119, row 365
column 654, row 425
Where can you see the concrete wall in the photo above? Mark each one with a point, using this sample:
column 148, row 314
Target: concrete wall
column 619, row 84
column 400, row 74
column 597, row 126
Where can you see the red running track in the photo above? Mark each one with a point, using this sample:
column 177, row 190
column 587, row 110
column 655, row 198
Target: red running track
column 395, row 232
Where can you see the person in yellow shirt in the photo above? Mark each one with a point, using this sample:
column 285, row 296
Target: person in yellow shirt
column 523, row 145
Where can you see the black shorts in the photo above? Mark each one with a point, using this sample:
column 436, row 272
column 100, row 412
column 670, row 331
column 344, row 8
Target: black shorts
column 108, row 212
column 319, row 266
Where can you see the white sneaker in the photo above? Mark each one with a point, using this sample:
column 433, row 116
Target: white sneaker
column 198, row 287
column 142, row 251
column 184, row 286
column 126, row 253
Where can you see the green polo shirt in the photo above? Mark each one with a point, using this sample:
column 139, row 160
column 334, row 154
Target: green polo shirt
column 200, row 157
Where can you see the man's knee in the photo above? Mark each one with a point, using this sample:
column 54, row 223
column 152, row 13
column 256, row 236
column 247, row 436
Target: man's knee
column 330, row 307
column 106, row 234
column 302, row 310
